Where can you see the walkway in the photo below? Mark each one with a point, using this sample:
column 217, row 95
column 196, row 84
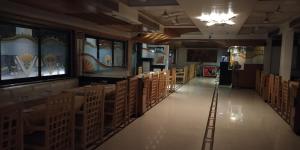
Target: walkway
column 178, row 123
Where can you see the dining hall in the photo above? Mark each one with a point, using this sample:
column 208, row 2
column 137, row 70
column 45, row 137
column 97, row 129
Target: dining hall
column 150, row 74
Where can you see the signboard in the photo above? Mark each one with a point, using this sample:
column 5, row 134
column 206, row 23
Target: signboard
column 210, row 71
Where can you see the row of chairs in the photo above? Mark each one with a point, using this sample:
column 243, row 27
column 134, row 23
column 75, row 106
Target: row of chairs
column 186, row 73
column 278, row 93
column 63, row 125
column 155, row 88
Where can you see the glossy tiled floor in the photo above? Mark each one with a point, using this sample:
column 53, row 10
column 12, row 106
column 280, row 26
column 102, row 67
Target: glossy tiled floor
column 178, row 123
column 245, row 122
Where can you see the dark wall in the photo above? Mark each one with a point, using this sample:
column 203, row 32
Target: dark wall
column 245, row 78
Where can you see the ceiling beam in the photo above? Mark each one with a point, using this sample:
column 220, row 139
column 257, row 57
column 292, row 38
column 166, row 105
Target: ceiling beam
column 180, row 27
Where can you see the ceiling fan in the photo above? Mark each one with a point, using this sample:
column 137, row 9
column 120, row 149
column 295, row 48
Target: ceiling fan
column 167, row 14
column 176, row 22
column 267, row 18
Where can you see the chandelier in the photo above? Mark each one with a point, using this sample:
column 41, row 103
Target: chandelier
column 218, row 18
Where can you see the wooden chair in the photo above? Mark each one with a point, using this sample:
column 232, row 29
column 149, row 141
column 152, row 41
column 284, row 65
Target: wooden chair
column 132, row 98
column 257, row 83
column 186, row 74
column 90, row 119
column 270, row 89
column 161, row 86
column 115, row 106
column 147, row 91
column 266, row 88
column 180, row 75
column 293, row 92
column 168, row 82
column 57, row 130
column 154, row 89
column 285, row 100
column 262, row 84
column 277, row 93
column 11, row 128
column 172, row 80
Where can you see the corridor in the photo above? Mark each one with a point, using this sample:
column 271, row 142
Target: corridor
column 179, row 123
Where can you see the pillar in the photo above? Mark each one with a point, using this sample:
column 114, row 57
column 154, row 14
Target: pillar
column 286, row 55
column 267, row 56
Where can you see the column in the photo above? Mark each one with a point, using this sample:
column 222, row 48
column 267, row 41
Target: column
column 286, row 55
column 267, row 56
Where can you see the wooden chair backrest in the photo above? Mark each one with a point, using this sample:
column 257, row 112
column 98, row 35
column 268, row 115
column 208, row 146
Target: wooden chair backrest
column 270, row 87
column 258, row 78
column 154, row 87
column 277, row 91
column 294, row 86
column 60, row 122
column 161, row 83
column 120, row 102
column 11, row 128
column 132, row 95
column 146, row 91
column 93, row 114
column 262, row 83
column 285, row 96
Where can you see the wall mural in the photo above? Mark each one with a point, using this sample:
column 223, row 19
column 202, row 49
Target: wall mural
column 92, row 63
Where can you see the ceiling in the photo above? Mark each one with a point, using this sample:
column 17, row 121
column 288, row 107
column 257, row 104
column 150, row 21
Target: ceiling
column 150, row 2
column 255, row 17
column 168, row 15
column 177, row 18
column 95, row 11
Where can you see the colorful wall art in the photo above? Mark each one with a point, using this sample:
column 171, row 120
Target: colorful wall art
column 237, row 57
column 210, row 71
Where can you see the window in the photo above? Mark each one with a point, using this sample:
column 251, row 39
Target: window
column 31, row 52
column 19, row 52
column 102, row 54
column 54, row 49
column 105, row 52
column 118, row 54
